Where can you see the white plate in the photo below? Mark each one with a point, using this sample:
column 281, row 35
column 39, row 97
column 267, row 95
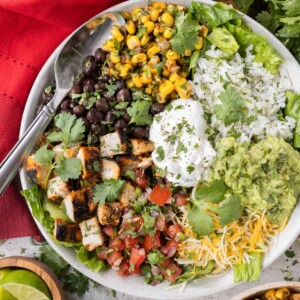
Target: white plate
column 135, row 285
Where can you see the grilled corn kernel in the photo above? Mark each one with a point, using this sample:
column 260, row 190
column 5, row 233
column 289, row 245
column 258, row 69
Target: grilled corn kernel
column 180, row 8
column 167, row 19
column 270, row 295
column 282, row 294
column 168, row 32
column 115, row 57
column 139, row 58
column 113, row 72
column 146, row 78
column 149, row 26
column 166, row 73
column 133, row 42
column 135, row 12
column 187, row 52
column 144, row 16
column 109, row 45
column 115, row 32
column 130, row 27
column 144, row 40
column 118, row 66
column 136, row 80
column 152, row 51
column 171, row 9
column 126, row 15
column 154, row 14
column 183, row 88
column 183, row 74
column 161, row 98
column 129, row 83
column 174, row 77
column 158, row 29
column 154, row 60
column 199, row 45
column 159, row 5
column 166, row 87
column 203, row 31
column 153, row 71
column 172, row 55
column 149, row 90
column 126, row 70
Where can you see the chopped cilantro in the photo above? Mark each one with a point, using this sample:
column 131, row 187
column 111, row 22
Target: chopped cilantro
column 160, row 153
column 111, row 89
column 139, row 112
column 190, row 169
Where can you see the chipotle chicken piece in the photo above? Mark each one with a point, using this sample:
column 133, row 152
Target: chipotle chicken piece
column 90, row 161
column 92, row 237
column 65, row 232
column 145, row 162
column 109, row 213
column 127, row 163
column 89, row 194
column 37, row 172
column 128, row 194
column 140, row 147
column 76, row 207
column 109, row 169
column 71, row 151
column 113, row 144
column 57, row 189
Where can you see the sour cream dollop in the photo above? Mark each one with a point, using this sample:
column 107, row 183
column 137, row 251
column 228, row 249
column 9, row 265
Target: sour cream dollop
column 182, row 150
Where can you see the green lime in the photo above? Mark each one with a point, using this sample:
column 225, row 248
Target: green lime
column 25, row 285
column 3, row 272
column 5, row 295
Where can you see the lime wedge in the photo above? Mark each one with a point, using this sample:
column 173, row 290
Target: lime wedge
column 25, row 285
column 5, row 295
column 3, row 272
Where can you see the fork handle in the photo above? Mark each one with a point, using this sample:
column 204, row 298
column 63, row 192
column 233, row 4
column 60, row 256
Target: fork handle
column 12, row 162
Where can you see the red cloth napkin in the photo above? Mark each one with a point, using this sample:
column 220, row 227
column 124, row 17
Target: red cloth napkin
column 29, row 32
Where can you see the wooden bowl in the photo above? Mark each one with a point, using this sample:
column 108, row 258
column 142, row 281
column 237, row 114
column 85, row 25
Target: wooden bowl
column 261, row 289
column 38, row 268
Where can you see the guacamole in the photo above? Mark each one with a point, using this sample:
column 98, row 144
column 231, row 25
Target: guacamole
column 265, row 175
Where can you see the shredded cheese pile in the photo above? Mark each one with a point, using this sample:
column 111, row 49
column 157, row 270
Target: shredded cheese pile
column 229, row 245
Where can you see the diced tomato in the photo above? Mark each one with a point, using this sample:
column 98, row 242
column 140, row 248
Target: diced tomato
column 171, row 272
column 174, row 230
column 114, row 258
column 165, row 263
column 151, row 242
column 133, row 223
column 160, row 194
column 137, row 257
column 160, row 223
column 181, row 198
column 109, row 230
column 102, row 254
column 141, row 179
column 130, row 242
column 169, row 249
column 124, row 268
column 117, row 244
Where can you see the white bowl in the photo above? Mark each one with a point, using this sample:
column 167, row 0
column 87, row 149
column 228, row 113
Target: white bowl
column 134, row 285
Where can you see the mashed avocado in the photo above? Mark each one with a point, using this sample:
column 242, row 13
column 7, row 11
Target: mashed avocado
column 265, row 175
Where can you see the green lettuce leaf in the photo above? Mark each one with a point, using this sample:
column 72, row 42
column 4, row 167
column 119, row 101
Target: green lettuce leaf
column 90, row 259
column 248, row 272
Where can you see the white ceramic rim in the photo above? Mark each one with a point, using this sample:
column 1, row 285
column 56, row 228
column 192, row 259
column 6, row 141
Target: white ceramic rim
column 133, row 285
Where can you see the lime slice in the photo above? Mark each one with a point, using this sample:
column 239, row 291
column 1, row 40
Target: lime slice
column 5, row 295
column 25, row 285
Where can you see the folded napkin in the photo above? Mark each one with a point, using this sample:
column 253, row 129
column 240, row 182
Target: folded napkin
column 29, row 32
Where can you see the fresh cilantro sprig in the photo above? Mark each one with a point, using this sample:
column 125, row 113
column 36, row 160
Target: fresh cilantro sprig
column 44, row 156
column 69, row 168
column 139, row 112
column 212, row 197
column 108, row 190
column 231, row 109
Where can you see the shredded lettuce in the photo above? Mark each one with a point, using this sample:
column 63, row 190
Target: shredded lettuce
column 90, row 259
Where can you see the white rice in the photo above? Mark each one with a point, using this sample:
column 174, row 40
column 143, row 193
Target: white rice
column 263, row 94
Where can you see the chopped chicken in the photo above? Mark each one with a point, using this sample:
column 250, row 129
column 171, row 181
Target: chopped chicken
column 90, row 161
column 127, row 163
column 72, row 151
column 89, row 194
column 141, row 146
column 112, row 144
column 75, row 204
column 145, row 162
column 37, row 172
column 92, row 236
column 109, row 213
column 128, row 194
column 65, row 232
column 57, row 189
column 109, row 169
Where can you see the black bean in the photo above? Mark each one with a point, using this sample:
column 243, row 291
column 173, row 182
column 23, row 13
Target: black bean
column 157, row 108
column 78, row 110
column 120, row 84
column 72, row 104
column 66, row 110
column 65, row 104
column 107, row 96
column 126, row 117
column 86, row 122
column 110, row 117
column 79, row 79
column 88, row 85
column 76, row 89
column 100, row 86
column 141, row 133
column 120, row 125
column 123, row 95
column 100, row 55
column 94, row 116
column 99, row 129
column 89, row 65
column 105, row 78
column 102, row 105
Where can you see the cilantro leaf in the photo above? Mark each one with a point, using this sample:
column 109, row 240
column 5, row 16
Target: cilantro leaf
column 156, row 257
column 111, row 88
column 75, row 283
column 149, row 222
column 186, row 36
column 213, row 192
column 231, row 109
column 69, row 168
column 44, row 156
column 72, row 129
column 267, row 20
column 139, row 112
column 108, row 190
column 160, row 153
